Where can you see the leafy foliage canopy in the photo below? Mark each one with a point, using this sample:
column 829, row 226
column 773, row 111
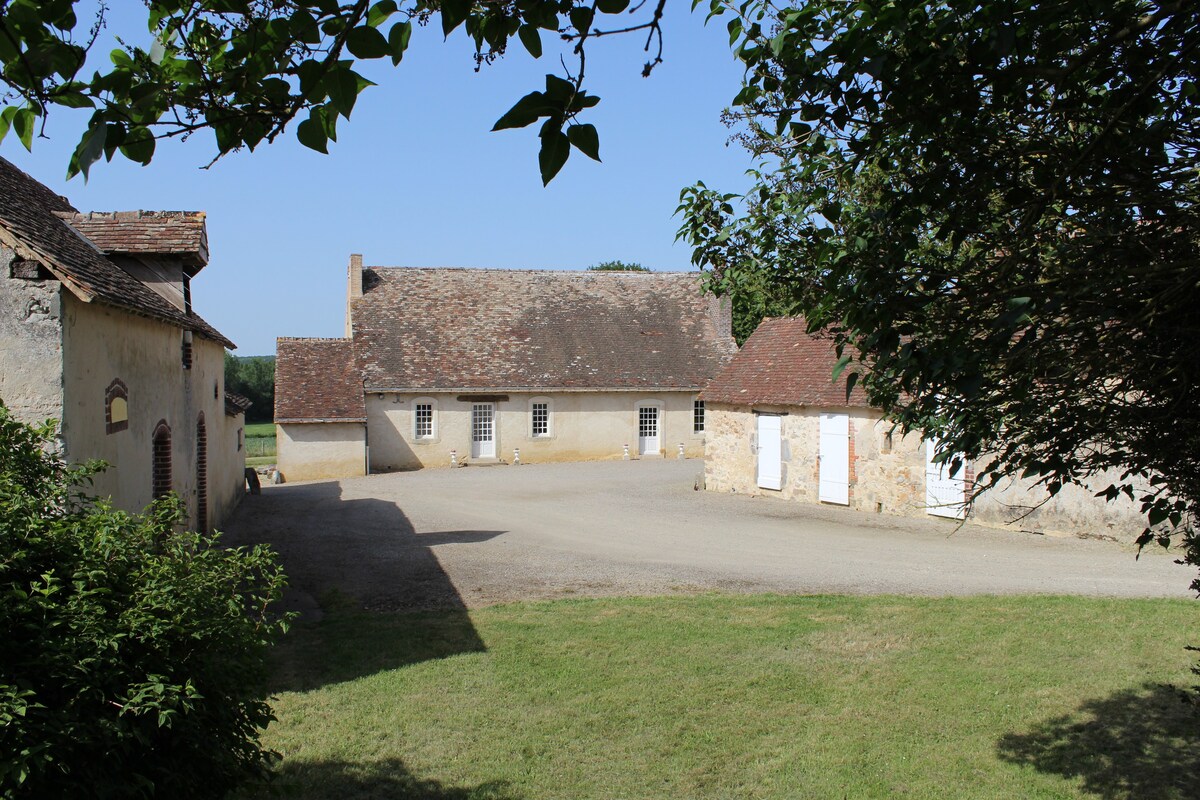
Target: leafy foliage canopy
column 134, row 654
column 994, row 205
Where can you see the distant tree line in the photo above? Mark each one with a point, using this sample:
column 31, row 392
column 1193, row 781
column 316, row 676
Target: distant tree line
column 253, row 377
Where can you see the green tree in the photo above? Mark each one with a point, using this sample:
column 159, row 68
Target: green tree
column 994, row 207
column 248, row 69
column 618, row 266
column 254, row 378
column 134, row 654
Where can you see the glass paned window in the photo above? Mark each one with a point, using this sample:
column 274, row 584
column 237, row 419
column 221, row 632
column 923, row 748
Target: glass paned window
column 698, row 417
column 541, row 419
column 424, row 421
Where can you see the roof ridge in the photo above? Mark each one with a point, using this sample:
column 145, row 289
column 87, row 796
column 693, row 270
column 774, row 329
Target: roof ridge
column 565, row 271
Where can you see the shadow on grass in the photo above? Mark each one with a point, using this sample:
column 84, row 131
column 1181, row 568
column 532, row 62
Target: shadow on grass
column 1140, row 743
column 382, row 780
column 369, row 589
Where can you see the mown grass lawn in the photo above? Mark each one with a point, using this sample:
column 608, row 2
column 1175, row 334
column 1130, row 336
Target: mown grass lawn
column 260, row 444
column 743, row 697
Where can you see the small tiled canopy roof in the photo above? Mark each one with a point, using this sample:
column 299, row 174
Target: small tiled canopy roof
column 316, row 381
column 781, row 364
column 418, row 328
column 30, row 224
column 236, row 404
column 182, row 234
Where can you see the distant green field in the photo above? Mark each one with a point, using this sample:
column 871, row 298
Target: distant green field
column 260, row 444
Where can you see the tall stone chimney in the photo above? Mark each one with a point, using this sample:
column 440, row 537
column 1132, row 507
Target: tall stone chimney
column 353, row 289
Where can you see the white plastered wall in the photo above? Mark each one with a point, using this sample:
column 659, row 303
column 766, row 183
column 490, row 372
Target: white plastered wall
column 584, row 426
column 307, row 451
column 101, row 343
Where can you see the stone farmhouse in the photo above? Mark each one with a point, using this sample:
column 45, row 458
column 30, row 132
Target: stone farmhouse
column 778, row 424
column 484, row 366
column 97, row 331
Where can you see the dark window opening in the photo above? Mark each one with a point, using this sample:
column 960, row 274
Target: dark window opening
column 162, row 460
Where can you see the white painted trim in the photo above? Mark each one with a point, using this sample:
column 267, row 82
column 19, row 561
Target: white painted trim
column 662, row 425
column 435, row 422
column 549, row 434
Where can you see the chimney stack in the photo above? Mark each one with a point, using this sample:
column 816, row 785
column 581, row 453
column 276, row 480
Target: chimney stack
column 353, row 289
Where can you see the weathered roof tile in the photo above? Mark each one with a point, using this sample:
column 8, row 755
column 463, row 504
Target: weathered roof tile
column 316, row 381
column 29, row 213
column 782, row 364
column 420, row 328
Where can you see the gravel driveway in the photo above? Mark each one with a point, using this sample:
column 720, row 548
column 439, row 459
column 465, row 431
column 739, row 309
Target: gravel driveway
column 482, row 535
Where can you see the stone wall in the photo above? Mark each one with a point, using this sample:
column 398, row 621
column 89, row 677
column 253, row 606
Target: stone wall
column 887, row 475
column 31, row 382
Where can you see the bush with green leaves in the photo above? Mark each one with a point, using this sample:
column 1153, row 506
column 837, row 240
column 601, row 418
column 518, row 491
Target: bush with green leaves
column 134, row 654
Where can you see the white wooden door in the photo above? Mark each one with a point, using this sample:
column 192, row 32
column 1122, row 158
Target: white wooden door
column 945, row 491
column 770, row 452
column 834, row 472
column 483, row 430
column 648, row 444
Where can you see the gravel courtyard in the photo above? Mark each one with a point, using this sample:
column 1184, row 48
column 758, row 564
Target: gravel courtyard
column 481, row 535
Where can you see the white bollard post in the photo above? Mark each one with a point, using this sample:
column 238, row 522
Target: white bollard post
column 625, row 456
column 516, row 456
column 680, row 456
column 454, row 458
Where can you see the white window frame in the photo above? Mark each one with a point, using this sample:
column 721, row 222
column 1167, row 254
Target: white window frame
column 698, row 405
column 549, row 434
column 433, row 419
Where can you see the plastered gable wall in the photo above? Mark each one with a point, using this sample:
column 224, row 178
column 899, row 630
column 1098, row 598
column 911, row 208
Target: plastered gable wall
column 310, row 451
column 100, row 344
column 30, row 344
column 583, row 426
column 889, row 476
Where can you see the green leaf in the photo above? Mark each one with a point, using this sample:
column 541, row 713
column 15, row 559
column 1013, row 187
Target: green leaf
column 342, row 87
column 454, row 12
column 586, row 139
column 581, row 18
column 367, row 42
column 851, row 379
column 525, row 112
column 311, row 133
column 6, row 120
column 531, row 39
column 138, row 146
column 380, row 12
column 23, row 123
column 559, row 89
column 555, row 150
column 89, row 149
column 398, row 38
column 840, row 367
column 612, row 6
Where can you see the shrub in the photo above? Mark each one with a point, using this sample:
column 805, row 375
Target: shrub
column 133, row 654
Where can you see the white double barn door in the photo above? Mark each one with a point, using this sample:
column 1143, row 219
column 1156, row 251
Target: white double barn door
column 945, row 489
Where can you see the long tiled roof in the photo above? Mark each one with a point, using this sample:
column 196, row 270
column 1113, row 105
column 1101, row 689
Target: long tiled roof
column 177, row 233
column 316, row 381
column 782, row 364
column 29, row 222
column 418, row 328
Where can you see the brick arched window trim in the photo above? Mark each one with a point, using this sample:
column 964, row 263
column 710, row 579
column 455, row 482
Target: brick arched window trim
column 201, row 473
column 161, row 460
column 116, row 407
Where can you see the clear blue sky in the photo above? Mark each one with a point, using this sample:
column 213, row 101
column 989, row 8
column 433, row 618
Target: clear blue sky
column 417, row 179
